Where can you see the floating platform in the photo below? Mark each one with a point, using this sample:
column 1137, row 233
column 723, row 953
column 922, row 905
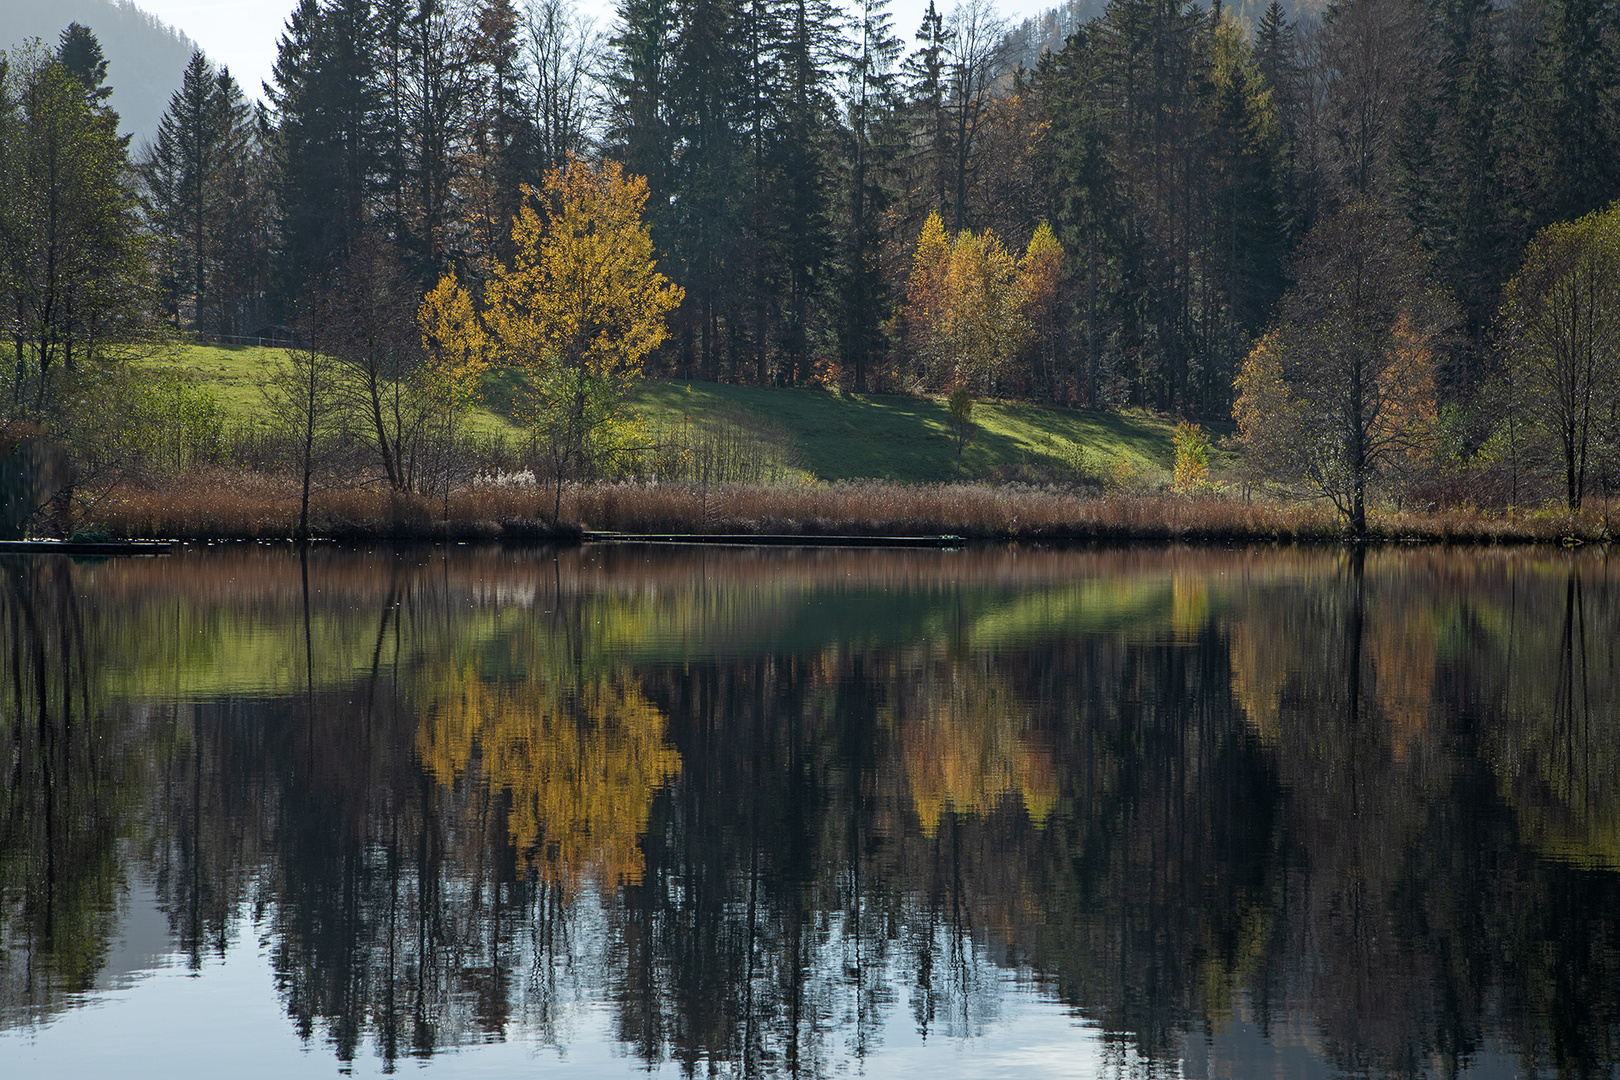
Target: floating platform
column 103, row 548
column 773, row 540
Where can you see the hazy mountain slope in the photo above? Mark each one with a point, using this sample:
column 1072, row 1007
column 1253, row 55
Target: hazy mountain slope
column 145, row 57
column 1047, row 31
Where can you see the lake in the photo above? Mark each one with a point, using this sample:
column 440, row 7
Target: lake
column 623, row 810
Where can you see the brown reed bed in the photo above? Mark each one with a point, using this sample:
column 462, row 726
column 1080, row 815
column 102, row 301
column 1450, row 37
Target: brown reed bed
column 230, row 504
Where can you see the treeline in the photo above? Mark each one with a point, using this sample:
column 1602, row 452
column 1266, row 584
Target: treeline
column 794, row 153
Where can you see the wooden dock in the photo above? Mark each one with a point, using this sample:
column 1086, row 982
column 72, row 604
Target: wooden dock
column 102, row 548
column 773, row 540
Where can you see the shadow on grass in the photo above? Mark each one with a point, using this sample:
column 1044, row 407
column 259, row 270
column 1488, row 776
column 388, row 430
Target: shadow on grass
column 908, row 439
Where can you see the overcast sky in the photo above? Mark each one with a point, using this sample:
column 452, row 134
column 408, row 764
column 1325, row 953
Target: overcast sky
column 242, row 34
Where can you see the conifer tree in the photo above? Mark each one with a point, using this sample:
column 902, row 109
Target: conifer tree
column 72, row 265
column 800, row 174
column 927, row 72
column 190, row 171
column 873, row 145
column 329, row 144
column 704, row 226
column 80, row 55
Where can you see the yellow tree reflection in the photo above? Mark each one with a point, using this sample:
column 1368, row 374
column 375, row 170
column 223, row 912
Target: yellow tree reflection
column 580, row 765
column 969, row 742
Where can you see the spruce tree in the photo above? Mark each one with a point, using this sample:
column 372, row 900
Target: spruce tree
column 800, row 174
column 873, row 144
column 703, row 227
column 80, row 54
column 330, row 137
column 190, row 172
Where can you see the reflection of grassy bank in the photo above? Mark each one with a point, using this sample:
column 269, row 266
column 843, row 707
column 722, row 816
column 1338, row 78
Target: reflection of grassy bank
column 221, row 504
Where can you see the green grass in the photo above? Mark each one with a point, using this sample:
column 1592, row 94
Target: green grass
column 890, row 437
column 837, row 436
column 234, row 374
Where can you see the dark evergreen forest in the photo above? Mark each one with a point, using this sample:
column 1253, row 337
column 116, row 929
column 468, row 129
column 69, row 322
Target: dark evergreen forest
column 795, row 149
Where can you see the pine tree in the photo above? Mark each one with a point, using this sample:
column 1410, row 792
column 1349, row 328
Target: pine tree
column 639, row 129
column 800, row 173
column 329, row 144
column 80, row 55
column 198, row 156
column 873, row 145
column 1084, row 187
column 927, row 71
column 704, row 225
column 71, row 251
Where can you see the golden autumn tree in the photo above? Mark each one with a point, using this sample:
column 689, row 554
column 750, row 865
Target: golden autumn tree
column 458, row 356
column 926, row 305
column 579, row 306
column 965, row 307
column 1040, row 274
column 457, row 347
column 986, row 321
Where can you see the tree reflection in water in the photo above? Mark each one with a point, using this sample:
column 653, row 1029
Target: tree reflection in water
column 766, row 806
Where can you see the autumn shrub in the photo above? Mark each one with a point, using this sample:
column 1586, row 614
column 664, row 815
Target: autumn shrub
column 1191, row 475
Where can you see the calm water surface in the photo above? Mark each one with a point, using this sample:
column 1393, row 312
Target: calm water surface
column 986, row 813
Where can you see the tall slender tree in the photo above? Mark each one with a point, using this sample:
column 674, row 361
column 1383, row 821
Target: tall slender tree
column 872, row 147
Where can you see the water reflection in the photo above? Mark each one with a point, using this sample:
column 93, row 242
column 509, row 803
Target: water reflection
column 770, row 812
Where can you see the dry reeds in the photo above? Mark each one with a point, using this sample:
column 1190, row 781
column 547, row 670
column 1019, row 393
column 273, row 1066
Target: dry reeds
column 225, row 504
column 232, row 504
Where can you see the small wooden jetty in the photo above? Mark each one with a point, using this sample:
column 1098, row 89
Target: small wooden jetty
column 773, row 540
column 102, row 548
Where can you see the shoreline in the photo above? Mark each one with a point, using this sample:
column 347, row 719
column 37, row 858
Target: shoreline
column 229, row 508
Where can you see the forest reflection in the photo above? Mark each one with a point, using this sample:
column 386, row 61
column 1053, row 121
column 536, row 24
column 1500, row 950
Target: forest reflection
column 759, row 805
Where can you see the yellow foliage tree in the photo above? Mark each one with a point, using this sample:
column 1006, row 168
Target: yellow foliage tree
column 580, row 306
column 455, row 341
column 986, row 323
column 965, row 307
column 926, row 309
column 1040, row 273
column 583, row 292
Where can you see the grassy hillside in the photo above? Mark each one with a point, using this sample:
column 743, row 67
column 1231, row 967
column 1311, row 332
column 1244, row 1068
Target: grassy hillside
column 845, row 436
column 835, row 436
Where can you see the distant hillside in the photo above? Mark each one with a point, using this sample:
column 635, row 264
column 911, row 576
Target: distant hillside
column 1047, row 31
column 145, row 57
